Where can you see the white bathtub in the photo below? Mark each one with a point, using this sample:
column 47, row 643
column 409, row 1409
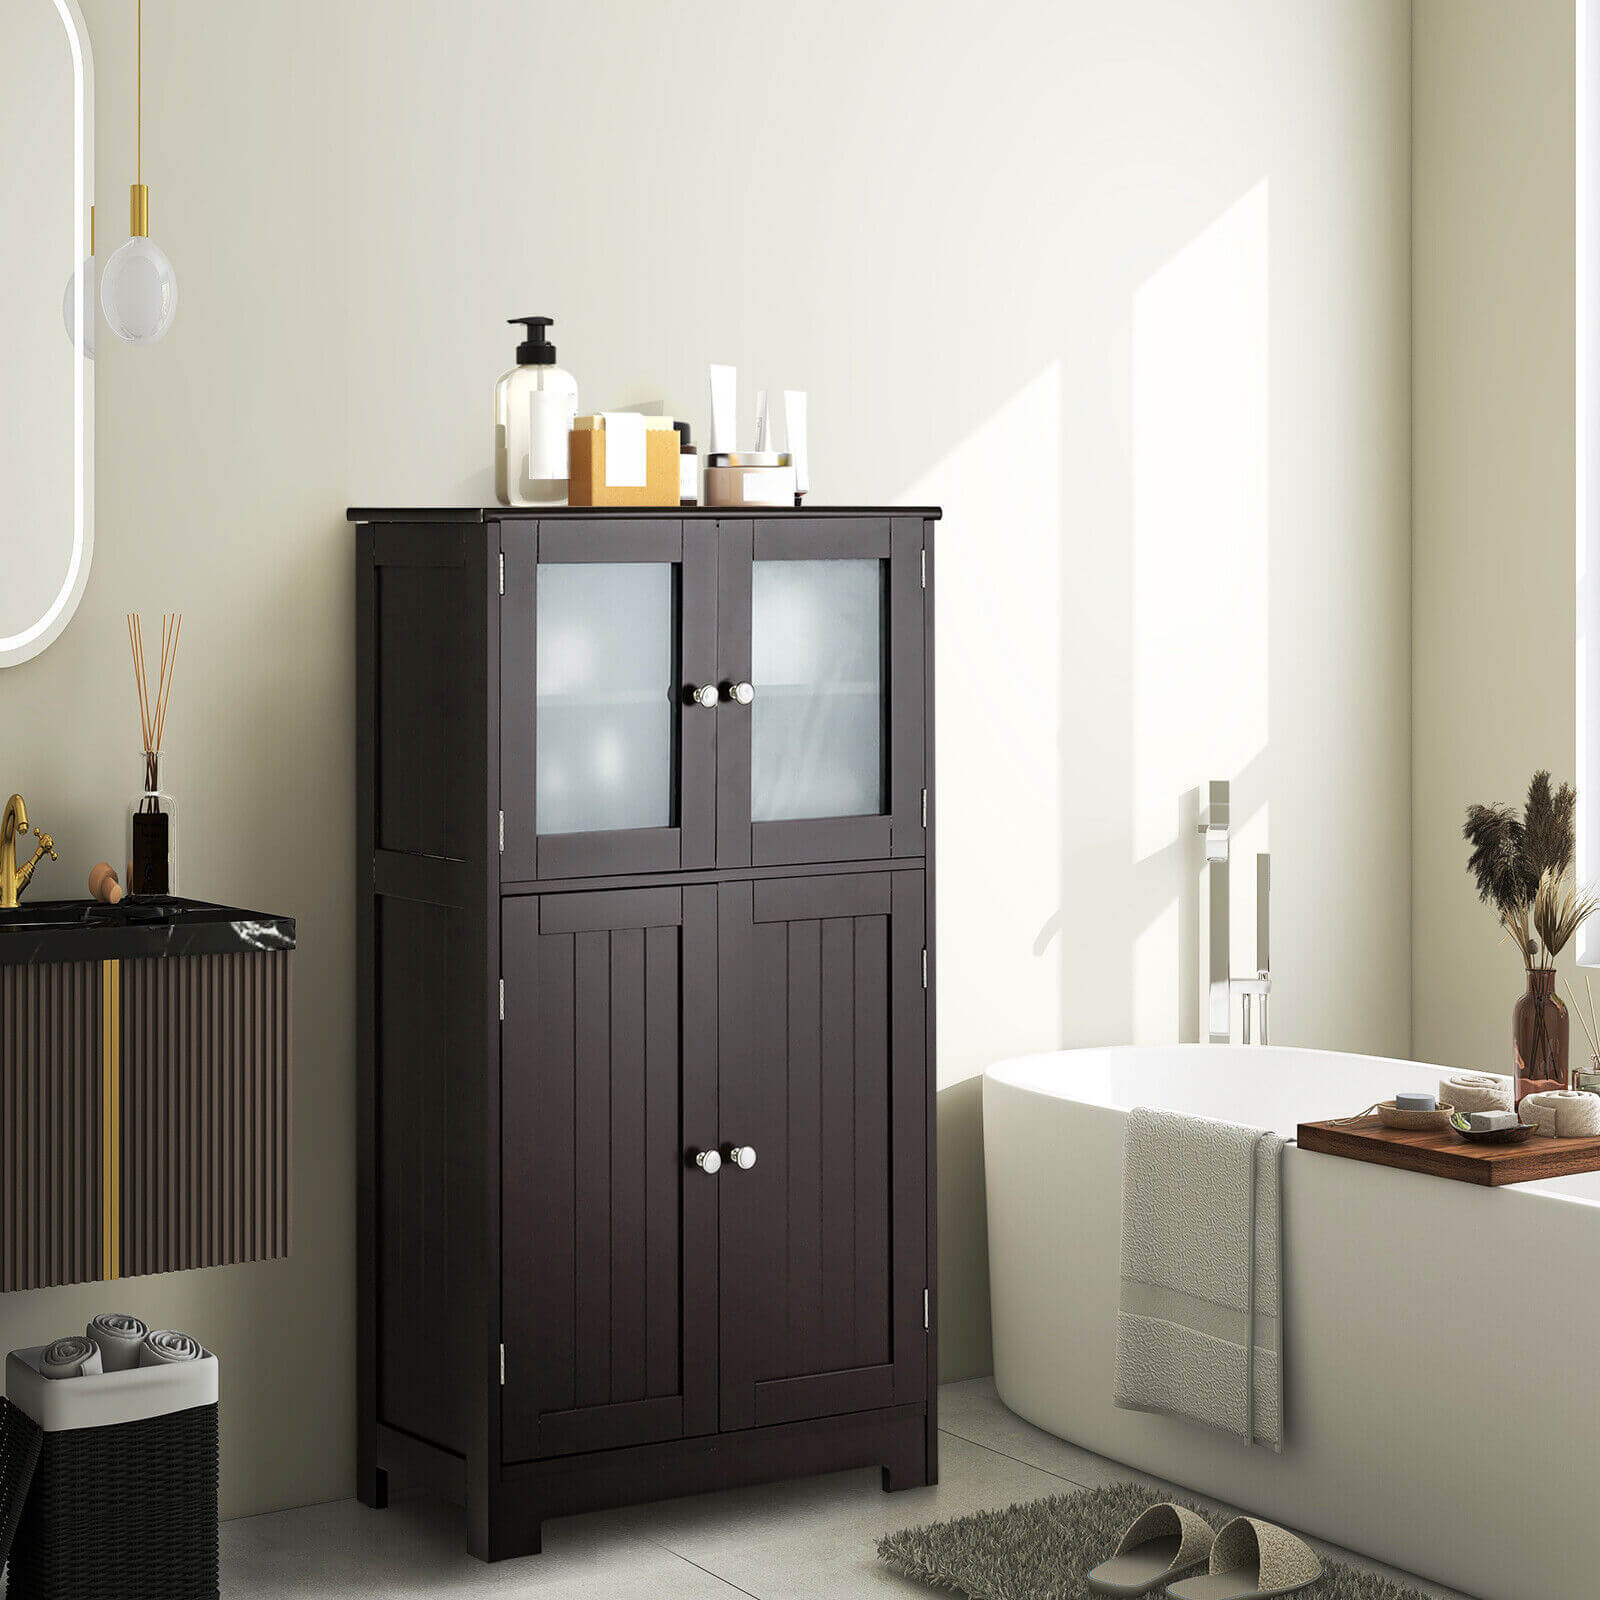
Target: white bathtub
column 1443, row 1382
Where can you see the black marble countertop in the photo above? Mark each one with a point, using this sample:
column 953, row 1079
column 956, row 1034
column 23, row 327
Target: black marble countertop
column 141, row 925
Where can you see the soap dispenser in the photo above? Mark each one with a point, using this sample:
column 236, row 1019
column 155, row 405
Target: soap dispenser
column 534, row 407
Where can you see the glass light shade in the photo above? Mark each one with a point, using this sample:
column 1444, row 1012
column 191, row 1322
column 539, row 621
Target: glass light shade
column 139, row 291
column 84, row 281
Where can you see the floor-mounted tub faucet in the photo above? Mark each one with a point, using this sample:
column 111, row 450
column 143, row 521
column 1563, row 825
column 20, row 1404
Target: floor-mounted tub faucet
column 1221, row 985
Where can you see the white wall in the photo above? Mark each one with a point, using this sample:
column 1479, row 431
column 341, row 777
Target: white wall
column 1125, row 288
column 1494, row 473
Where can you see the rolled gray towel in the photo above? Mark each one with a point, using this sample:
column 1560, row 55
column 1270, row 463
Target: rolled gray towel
column 72, row 1357
column 165, row 1346
column 119, row 1337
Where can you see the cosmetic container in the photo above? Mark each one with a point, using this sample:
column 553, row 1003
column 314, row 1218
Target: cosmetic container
column 623, row 458
column 688, row 468
column 750, row 478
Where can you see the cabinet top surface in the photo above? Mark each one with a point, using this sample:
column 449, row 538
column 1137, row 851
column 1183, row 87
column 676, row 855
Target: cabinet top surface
column 141, row 925
column 627, row 513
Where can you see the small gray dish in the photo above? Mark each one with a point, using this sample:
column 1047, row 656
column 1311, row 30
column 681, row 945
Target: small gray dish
column 1516, row 1135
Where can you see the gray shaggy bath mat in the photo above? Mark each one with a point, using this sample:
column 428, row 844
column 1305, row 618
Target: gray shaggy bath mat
column 1041, row 1550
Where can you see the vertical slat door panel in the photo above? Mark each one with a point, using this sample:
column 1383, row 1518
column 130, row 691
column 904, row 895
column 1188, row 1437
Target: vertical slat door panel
column 51, row 1099
column 822, row 1069
column 599, row 1351
column 204, row 1111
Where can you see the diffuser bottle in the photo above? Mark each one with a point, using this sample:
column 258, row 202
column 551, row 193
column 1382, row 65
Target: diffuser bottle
column 534, row 407
column 152, row 837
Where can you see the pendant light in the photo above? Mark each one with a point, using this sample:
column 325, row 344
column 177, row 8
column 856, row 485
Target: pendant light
column 80, row 286
column 139, row 289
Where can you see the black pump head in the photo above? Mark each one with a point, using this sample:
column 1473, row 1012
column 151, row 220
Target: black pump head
column 535, row 350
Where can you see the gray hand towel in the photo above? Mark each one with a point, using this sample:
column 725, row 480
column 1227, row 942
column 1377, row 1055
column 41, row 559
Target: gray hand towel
column 119, row 1337
column 164, row 1346
column 72, row 1357
column 1200, row 1325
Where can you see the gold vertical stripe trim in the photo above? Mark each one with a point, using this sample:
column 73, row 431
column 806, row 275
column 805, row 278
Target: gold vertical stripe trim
column 116, row 1119
column 110, row 1117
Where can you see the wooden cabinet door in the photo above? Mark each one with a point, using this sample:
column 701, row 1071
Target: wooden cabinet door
column 609, row 1229
column 823, row 1071
column 608, row 763
column 821, row 662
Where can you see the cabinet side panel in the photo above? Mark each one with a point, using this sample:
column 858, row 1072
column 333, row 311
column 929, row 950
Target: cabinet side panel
column 204, row 1111
column 423, row 1230
column 425, row 615
column 50, row 1125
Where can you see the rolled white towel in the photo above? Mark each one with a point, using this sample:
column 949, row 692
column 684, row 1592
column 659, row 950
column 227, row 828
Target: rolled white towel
column 119, row 1337
column 1477, row 1091
column 164, row 1346
column 1563, row 1113
column 72, row 1357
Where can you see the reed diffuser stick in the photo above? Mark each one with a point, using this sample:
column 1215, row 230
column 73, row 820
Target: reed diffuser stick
column 153, row 707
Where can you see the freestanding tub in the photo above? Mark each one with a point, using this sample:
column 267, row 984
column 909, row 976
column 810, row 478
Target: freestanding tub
column 1442, row 1384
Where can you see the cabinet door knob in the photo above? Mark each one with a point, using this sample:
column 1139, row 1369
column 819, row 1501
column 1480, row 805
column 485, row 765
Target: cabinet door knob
column 708, row 1161
column 742, row 1156
column 741, row 693
column 705, row 695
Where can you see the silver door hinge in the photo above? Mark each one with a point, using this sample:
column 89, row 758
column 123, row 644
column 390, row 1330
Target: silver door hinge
column 503, row 572
column 503, row 824
column 503, row 1349
column 503, row 999
column 924, row 966
column 924, row 570
column 924, row 1326
column 924, row 808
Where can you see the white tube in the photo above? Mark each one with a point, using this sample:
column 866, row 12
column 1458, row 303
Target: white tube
column 724, row 409
column 761, row 420
column 794, row 416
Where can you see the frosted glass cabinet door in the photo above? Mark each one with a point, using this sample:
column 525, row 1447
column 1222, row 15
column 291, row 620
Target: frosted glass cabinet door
column 818, row 729
column 607, row 758
column 607, row 715
column 820, row 738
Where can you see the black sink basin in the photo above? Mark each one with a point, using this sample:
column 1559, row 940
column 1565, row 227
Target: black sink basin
column 142, row 925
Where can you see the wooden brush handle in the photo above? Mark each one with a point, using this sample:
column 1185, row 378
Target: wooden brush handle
column 103, row 884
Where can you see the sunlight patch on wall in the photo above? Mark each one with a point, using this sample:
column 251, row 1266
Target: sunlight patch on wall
column 999, row 732
column 1200, row 581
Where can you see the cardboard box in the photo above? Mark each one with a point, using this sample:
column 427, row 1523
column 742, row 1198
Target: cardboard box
column 591, row 483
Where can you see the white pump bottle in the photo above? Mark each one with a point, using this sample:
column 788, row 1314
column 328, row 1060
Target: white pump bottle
column 535, row 404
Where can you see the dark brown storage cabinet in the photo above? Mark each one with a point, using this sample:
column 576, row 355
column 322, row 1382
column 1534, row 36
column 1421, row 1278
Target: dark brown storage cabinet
column 646, row 1021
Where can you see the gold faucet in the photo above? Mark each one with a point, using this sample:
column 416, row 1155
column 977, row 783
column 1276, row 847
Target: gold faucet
column 13, row 881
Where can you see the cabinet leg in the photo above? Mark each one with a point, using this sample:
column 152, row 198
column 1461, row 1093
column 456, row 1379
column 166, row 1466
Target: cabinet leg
column 506, row 1538
column 372, row 1487
column 906, row 1472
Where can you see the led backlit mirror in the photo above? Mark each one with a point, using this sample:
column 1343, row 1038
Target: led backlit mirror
column 47, row 323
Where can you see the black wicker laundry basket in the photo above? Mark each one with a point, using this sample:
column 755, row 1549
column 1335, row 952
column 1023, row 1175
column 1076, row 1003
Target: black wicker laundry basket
column 121, row 1508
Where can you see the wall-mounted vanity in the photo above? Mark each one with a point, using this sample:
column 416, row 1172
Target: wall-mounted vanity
column 144, row 1089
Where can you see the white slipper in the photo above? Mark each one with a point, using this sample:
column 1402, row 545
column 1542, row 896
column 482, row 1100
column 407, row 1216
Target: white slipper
column 1250, row 1559
column 1164, row 1542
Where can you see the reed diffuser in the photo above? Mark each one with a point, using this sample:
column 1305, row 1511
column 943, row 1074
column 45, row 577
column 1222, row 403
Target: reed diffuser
column 153, row 813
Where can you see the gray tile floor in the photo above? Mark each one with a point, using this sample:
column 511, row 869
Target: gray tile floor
column 789, row 1541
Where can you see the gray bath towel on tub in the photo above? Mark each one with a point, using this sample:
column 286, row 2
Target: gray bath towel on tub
column 1200, row 1324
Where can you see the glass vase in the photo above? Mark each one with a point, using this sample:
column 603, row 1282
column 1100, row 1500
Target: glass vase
column 1540, row 1036
column 152, row 833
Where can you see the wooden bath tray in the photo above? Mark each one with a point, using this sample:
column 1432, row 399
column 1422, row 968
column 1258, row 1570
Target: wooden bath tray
column 1441, row 1154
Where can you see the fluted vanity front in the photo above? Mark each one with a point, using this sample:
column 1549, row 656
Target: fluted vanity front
column 144, row 1089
